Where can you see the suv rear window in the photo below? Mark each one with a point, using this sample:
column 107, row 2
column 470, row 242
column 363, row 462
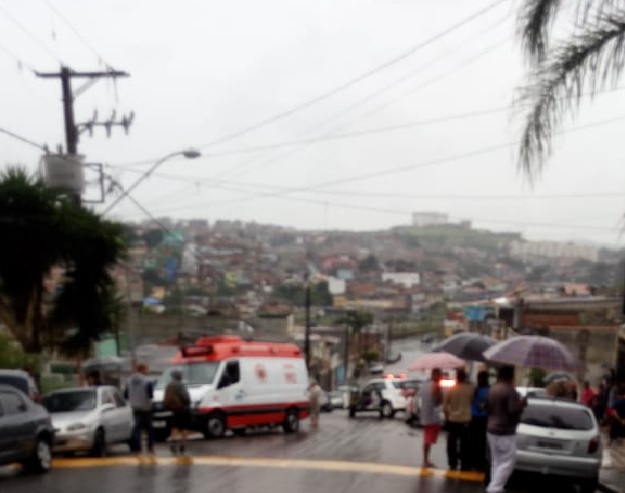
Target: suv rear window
column 560, row 417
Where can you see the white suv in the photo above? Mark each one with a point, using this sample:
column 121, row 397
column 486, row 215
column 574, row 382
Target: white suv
column 383, row 395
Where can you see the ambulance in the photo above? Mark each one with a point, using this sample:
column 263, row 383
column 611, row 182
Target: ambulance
column 238, row 385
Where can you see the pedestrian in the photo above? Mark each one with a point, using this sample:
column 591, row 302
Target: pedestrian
column 588, row 395
column 617, row 428
column 457, row 411
column 479, row 419
column 431, row 400
column 599, row 407
column 177, row 400
column 504, row 405
column 139, row 392
column 314, row 396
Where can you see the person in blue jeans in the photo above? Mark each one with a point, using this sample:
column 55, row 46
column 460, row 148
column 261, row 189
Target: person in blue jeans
column 479, row 420
column 139, row 392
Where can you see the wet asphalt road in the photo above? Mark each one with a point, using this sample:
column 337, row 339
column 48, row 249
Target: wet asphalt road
column 344, row 455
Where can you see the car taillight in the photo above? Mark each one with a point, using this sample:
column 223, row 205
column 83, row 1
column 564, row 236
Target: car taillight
column 593, row 445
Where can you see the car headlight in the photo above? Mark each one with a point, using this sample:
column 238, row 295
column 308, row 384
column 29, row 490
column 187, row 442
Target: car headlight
column 77, row 426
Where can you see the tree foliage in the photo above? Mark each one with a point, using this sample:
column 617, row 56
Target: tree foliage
column 588, row 58
column 41, row 229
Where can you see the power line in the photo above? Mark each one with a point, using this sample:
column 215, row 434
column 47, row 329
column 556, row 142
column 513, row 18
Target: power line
column 24, row 139
column 29, row 34
column 355, row 80
column 405, row 213
column 20, row 62
column 280, row 157
column 77, row 33
column 401, row 169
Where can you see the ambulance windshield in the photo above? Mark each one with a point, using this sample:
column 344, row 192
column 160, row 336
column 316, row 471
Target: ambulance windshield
column 192, row 373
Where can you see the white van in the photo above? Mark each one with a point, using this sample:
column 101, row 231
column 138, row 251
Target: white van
column 238, row 385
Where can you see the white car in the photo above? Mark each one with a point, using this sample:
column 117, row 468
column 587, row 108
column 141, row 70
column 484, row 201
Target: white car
column 562, row 438
column 89, row 419
column 383, row 395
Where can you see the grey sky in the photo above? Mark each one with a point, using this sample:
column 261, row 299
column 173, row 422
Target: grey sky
column 201, row 70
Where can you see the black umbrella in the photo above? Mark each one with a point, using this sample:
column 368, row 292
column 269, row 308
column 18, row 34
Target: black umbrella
column 466, row 345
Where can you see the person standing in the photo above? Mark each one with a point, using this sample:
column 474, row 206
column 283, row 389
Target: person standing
column 431, row 399
column 479, row 419
column 617, row 428
column 177, row 400
column 588, row 395
column 504, row 405
column 139, row 392
column 457, row 411
column 314, row 396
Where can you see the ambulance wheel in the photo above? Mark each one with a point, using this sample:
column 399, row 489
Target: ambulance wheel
column 215, row 425
column 291, row 422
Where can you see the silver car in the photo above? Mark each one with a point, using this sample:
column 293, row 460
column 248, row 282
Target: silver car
column 89, row 419
column 559, row 437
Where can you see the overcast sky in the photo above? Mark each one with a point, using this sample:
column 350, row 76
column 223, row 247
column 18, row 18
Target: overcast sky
column 203, row 70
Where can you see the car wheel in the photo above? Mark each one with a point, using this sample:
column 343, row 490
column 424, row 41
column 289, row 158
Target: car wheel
column 215, row 425
column 291, row 422
column 387, row 410
column 588, row 485
column 99, row 444
column 41, row 460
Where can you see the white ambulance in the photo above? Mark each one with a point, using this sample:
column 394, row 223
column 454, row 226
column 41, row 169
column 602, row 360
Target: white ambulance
column 238, row 385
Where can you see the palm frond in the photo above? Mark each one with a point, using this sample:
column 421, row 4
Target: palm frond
column 593, row 57
column 536, row 19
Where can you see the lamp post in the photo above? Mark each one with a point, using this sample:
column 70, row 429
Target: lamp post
column 188, row 154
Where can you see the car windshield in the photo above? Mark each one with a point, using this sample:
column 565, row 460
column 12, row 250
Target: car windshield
column 192, row 374
column 560, row 417
column 64, row 402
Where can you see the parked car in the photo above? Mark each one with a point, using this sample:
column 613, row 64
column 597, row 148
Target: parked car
column 21, row 381
column 89, row 419
column 26, row 431
column 562, row 438
column 382, row 395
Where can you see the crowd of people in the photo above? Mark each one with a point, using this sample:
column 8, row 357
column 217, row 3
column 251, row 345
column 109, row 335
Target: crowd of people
column 480, row 418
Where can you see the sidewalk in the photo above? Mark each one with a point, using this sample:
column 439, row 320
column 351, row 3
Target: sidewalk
column 611, row 480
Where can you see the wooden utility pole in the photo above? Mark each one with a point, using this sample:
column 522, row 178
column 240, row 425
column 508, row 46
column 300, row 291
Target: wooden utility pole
column 72, row 131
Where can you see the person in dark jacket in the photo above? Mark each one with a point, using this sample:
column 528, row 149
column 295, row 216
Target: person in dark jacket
column 479, row 419
column 178, row 401
column 505, row 406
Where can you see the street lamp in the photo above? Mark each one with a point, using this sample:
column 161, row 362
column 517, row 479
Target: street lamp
column 188, row 154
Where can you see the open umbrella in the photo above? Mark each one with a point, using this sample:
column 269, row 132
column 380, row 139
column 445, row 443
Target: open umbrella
column 533, row 352
column 429, row 361
column 466, row 345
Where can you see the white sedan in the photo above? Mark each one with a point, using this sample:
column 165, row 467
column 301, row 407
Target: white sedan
column 89, row 419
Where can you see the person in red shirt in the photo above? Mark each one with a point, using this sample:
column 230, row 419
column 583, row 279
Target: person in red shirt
column 588, row 394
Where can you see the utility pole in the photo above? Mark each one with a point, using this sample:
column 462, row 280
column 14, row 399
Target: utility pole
column 72, row 131
column 307, row 329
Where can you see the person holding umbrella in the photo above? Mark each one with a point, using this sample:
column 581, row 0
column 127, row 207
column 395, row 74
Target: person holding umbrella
column 504, row 405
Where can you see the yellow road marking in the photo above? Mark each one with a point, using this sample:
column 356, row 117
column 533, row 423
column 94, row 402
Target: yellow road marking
column 318, row 465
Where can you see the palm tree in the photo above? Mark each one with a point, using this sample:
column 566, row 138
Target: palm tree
column 589, row 58
column 41, row 228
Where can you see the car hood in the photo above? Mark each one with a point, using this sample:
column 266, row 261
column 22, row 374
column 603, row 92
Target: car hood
column 63, row 420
